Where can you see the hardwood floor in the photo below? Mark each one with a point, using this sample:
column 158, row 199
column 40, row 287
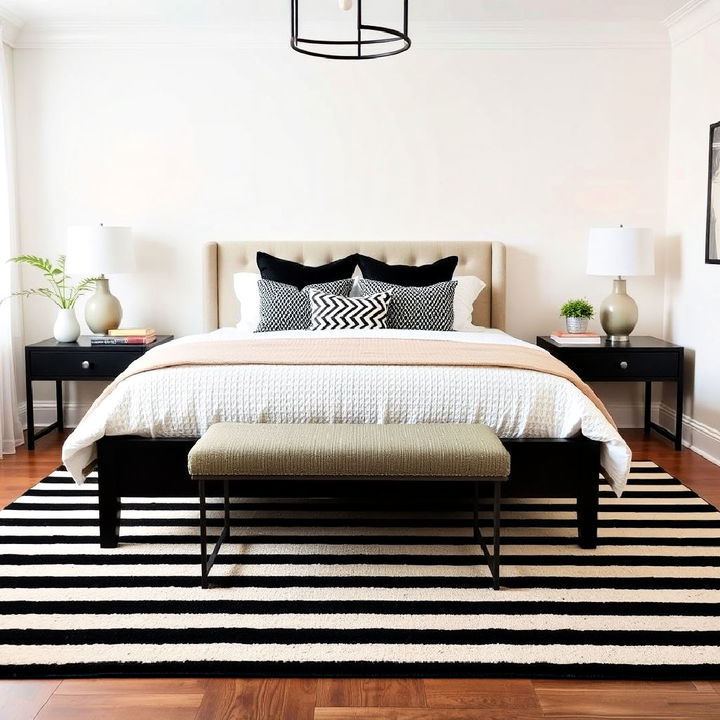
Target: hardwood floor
column 360, row 699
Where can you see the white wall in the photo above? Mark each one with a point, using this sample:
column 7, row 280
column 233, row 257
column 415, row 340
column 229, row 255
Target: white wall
column 530, row 147
column 692, row 299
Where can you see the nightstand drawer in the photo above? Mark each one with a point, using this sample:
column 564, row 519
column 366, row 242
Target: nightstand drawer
column 618, row 365
column 52, row 364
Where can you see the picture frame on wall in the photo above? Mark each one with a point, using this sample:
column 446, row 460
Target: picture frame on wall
column 712, row 241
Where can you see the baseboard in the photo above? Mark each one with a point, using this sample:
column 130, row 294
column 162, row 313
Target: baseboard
column 629, row 415
column 45, row 413
column 701, row 438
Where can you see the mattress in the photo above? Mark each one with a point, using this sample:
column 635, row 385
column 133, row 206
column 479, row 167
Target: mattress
column 185, row 401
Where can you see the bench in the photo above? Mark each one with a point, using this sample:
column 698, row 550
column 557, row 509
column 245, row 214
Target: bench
column 347, row 453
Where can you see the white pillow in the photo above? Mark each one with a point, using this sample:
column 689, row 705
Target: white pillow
column 467, row 291
column 246, row 291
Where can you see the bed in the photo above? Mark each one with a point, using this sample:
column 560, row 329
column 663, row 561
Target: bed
column 139, row 436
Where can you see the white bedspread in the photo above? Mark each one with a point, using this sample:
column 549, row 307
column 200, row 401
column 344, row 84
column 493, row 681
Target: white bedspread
column 185, row 401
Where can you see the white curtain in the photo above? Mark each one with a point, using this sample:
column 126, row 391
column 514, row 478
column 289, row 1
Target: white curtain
column 10, row 428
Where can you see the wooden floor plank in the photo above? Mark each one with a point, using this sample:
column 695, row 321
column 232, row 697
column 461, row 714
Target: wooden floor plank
column 517, row 696
column 372, row 692
column 132, row 686
column 628, row 703
column 357, row 713
column 595, row 686
column 258, row 699
column 122, row 706
column 23, row 699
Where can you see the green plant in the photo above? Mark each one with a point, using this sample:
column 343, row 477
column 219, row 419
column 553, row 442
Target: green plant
column 59, row 289
column 577, row 309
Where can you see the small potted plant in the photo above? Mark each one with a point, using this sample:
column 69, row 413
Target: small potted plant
column 60, row 291
column 577, row 313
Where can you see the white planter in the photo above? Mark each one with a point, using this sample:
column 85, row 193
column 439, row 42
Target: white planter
column 66, row 328
column 576, row 325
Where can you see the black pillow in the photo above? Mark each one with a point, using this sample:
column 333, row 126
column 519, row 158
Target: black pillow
column 299, row 275
column 408, row 275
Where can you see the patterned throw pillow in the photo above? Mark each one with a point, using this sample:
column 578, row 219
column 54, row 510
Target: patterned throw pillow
column 284, row 307
column 337, row 312
column 416, row 308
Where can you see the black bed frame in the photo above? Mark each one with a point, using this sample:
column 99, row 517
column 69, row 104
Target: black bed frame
column 130, row 466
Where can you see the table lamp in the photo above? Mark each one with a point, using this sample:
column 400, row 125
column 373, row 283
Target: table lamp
column 620, row 252
column 92, row 252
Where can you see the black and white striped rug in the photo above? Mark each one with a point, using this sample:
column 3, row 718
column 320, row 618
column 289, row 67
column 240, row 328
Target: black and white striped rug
column 322, row 589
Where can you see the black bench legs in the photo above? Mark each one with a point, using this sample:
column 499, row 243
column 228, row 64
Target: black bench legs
column 207, row 561
column 493, row 560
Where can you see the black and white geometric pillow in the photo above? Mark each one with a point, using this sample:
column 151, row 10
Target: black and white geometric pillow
column 416, row 308
column 336, row 312
column 284, row 307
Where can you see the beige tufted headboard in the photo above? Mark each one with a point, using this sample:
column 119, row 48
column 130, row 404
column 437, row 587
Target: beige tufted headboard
column 486, row 260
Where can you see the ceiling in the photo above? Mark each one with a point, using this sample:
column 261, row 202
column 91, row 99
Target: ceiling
column 219, row 12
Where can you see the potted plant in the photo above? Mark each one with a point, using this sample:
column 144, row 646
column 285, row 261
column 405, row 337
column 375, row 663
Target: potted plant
column 58, row 289
column 577, row 313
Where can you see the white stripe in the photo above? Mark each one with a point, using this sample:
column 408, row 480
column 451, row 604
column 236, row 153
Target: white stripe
column 172, row 621
column 468, row 549
column 227, row 652
column 357, row 571
column 197, row 594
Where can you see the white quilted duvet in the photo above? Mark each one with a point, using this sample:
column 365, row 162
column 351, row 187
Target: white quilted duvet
column 184, row 401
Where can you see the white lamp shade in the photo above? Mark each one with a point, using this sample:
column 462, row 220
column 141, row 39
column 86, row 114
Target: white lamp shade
column 620, row 251
column 99, row 250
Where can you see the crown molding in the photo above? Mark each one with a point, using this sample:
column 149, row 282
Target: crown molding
column 692, row 18
column 451, row 35
column 12, row 25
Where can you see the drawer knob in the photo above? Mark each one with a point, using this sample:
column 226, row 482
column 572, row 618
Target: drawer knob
column 624, row 365
column 85, row 364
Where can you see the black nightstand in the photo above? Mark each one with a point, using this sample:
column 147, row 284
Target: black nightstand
column 53, row 360
column 642, row 359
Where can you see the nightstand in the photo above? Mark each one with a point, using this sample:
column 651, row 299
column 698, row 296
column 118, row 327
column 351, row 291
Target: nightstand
column 53, row 360
column 642, row 359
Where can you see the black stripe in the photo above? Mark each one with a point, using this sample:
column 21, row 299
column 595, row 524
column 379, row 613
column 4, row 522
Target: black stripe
column 460, row 514
column 347, row 636
column 347, row 669
column 406, row 560
column 360, row 523
column 459, row 541
column 438, row 582
column 64, row 480
column 343, row 607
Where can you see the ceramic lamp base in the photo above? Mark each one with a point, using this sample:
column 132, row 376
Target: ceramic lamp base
column 102, row 310
column 618, row 313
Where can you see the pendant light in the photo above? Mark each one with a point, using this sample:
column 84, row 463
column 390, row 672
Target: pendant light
column 369, row 41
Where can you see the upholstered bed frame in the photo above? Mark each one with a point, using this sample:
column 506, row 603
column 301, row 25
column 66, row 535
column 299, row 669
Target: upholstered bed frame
column 146, row 467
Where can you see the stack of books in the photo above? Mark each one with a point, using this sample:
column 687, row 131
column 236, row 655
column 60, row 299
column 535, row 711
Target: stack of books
column 125, row 336
column 565, row 338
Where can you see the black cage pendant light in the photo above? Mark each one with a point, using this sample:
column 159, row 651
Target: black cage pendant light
column 368, row 41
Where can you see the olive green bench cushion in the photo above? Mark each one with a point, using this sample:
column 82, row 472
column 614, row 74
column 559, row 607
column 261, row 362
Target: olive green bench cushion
column 425, row 450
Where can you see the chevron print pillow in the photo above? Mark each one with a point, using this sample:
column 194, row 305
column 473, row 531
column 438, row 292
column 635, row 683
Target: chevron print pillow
column 284, row 307
column 336, row 312
column 416, row 308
